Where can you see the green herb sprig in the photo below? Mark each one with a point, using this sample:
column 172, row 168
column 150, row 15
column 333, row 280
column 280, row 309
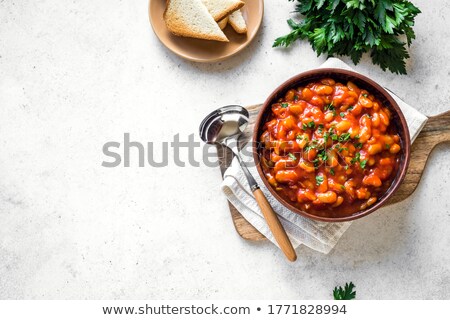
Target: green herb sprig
column 345, row 293
column 353, row 27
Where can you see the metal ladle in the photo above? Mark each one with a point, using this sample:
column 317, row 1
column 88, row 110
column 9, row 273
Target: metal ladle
column 224, row 126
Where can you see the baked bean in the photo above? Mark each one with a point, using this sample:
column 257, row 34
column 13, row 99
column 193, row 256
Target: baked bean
column 327, row 197
column 323, row 90
column 307, row 94
column 298, row 107
column 290, row 95
column 338, row 202
column 306, row 195
column 371, row 180
column 374, row 149
column 286, row 176
column 329, row 116
column 357, row 109
column 365, row 102
column 344, row 125
column 371, row 201
column 362, row 193
column 395, row 148
column 375, row 119
column 317, row 101
column 384, row 118
column 353, row 87
column 336, row 187
column 308, row 167
column 328, row 81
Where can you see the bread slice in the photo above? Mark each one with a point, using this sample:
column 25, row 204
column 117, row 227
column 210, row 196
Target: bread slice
column 236, row 20
column 192, row 19
column 219, row 9
column 223, row 23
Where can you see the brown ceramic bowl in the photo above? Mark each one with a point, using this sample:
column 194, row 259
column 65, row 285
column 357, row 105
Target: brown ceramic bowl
column 339, row 75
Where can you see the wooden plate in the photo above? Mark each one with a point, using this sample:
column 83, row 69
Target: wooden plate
column 206, row 50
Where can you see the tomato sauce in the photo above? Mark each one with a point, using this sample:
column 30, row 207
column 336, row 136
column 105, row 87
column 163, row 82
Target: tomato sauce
column 330, row 149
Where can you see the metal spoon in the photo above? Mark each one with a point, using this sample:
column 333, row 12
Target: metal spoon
column 224, row 126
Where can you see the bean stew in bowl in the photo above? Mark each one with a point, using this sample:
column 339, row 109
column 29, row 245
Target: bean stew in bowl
column 332, row 145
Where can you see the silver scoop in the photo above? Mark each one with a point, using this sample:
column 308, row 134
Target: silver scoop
column 224, row 127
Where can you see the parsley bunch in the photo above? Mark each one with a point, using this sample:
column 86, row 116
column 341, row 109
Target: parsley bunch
column 353, row 27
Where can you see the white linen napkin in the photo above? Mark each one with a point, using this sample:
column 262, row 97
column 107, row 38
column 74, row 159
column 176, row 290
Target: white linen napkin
column 320, row 236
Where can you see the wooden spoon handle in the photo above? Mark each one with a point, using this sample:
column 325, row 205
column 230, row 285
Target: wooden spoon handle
column 275, row 225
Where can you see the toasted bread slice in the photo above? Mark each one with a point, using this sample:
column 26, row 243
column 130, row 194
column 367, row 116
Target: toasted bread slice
column 236, row 20
column 219, row 9
column 192, row 19
column 223, row 23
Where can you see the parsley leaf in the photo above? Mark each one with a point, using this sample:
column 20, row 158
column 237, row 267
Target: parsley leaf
column 284, row 105
column 346, row 293
column 363, row 164
column 344, row 137
column 319, row 180
column 292, row 156
column 328, row 107
column 353, row 27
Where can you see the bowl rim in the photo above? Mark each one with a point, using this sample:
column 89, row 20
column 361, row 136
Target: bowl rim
column 322, row 72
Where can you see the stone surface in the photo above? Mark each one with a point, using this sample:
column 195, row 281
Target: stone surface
column 75, row 75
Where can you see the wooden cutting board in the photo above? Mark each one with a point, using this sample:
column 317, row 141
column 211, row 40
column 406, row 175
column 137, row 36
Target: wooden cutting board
column 436, row 131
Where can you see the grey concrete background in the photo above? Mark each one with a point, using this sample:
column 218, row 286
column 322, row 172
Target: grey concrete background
column 76, row 74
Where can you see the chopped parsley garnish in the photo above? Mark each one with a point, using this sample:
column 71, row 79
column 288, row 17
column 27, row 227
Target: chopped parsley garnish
column 310, row 124
column 296, row 97
column 339, row 147
column 387, row 146
column 344, row 137
column 284, row 105
column 316, row 163
column 319, row 180
column 357, row 137
column 342, row 114
column 326, row 135
column 334, row 137
column 358, row 145
column 299, row 137
column 322, row 155
column 320, row 128
column 328, row 107
column 342, row 187
column 363, row 164
column 350, row 108
column 332, row 171
column 357, row 158
column 292, row 156
column 364, row 95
